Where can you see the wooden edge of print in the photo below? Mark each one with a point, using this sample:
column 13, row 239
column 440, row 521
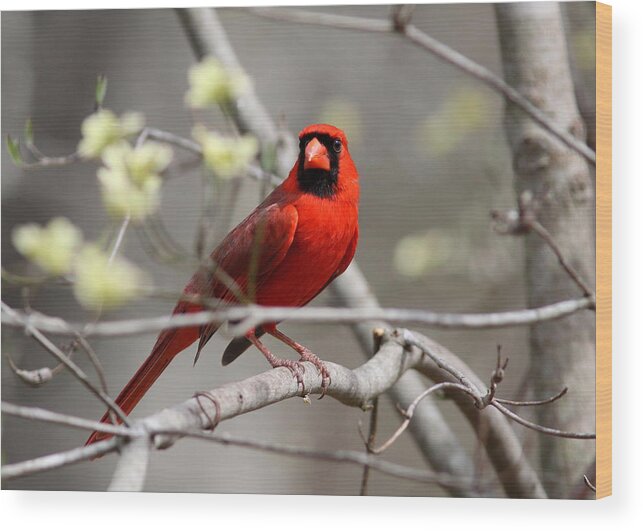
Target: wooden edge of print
column 603, row 250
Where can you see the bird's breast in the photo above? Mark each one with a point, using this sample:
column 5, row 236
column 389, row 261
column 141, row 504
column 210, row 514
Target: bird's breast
column 325, row 229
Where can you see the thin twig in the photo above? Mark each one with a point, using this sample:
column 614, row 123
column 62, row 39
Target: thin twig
column 368, row 444
column 337, row 456
column 523, row 220
column 21, row 469
column 58, row 460
column 263, row 314
column 44, row 415
column 253, row 170
column 408, row 413
column 589, row 483
column 378, row 335
column 48, row 162
column 352, row 387
column 549, row 400
column 35, row 377
column 73, row 368
column 207, row 37
column 573, row 274
column 120, row 236
column 483, row 400
column 439, row 49
column 542, row 429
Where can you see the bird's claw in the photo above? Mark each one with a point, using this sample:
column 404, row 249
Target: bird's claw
column 297, row 370
column 307, row 355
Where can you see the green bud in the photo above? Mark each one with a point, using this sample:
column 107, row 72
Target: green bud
column 101, row 90
column 14, row 150
column 29, row 131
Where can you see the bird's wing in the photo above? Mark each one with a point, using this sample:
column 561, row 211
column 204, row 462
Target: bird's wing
column 240, row 344
column 248, row 254
column 258, row 244
column 246, row 257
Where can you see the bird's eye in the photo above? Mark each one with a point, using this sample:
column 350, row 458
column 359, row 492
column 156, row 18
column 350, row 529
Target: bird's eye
column 337, row 145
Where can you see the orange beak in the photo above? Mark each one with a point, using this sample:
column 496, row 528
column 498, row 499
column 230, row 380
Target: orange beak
column 316, row 156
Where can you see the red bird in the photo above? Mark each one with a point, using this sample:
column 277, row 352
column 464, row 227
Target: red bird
column 301, row 237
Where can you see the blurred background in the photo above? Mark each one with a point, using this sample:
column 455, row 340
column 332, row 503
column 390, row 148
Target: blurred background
column 430, row 146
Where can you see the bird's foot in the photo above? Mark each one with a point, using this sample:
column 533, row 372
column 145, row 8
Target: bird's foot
column 295, row 367
column 307, row 355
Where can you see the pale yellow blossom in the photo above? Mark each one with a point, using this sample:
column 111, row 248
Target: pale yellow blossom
column 104, row 128
column 101, row 284
column 130, row 180
column 213, row 84
column 52, row 247
column 227, row 157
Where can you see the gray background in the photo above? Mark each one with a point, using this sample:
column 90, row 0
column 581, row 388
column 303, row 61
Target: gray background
column 49, row 64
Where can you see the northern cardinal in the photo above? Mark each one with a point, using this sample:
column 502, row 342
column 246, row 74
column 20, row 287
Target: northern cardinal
column 301, row 237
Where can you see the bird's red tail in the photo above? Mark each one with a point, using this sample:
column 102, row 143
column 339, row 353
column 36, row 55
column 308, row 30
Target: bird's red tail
column 168, row 345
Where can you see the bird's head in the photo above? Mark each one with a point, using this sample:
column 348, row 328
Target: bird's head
column 324, row 166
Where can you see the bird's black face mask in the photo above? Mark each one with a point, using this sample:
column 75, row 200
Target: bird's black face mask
column 318, row 167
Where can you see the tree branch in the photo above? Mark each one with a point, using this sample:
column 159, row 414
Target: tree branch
column 58, row 460
column 342, row 456
column 252, row 315
column 68, row 363
column 131, row 469
column 440, row 50
column 207, row 37
column 353, row 289
column 354, row 388
column 560, row 181
column 44, row 415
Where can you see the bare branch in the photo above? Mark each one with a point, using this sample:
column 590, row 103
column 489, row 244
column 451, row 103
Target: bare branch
column 589, row 483
column 517, row 476
column 385, row 467
column 67, row 362
column 562, row 183
column 542, row 429
column 253, row 315
column 338, row 456
column 43, row 161
column 44, row 415
column 58, row 460
column 573, row 274
column 252, row 170
column 525, row 220
column 482, row 400
column 247, row 112
column 368, row 444
column 408, row 413
column 549, row 400
column 131, row 469
column 440, row 50
column 35, row 377
column 354, row 388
